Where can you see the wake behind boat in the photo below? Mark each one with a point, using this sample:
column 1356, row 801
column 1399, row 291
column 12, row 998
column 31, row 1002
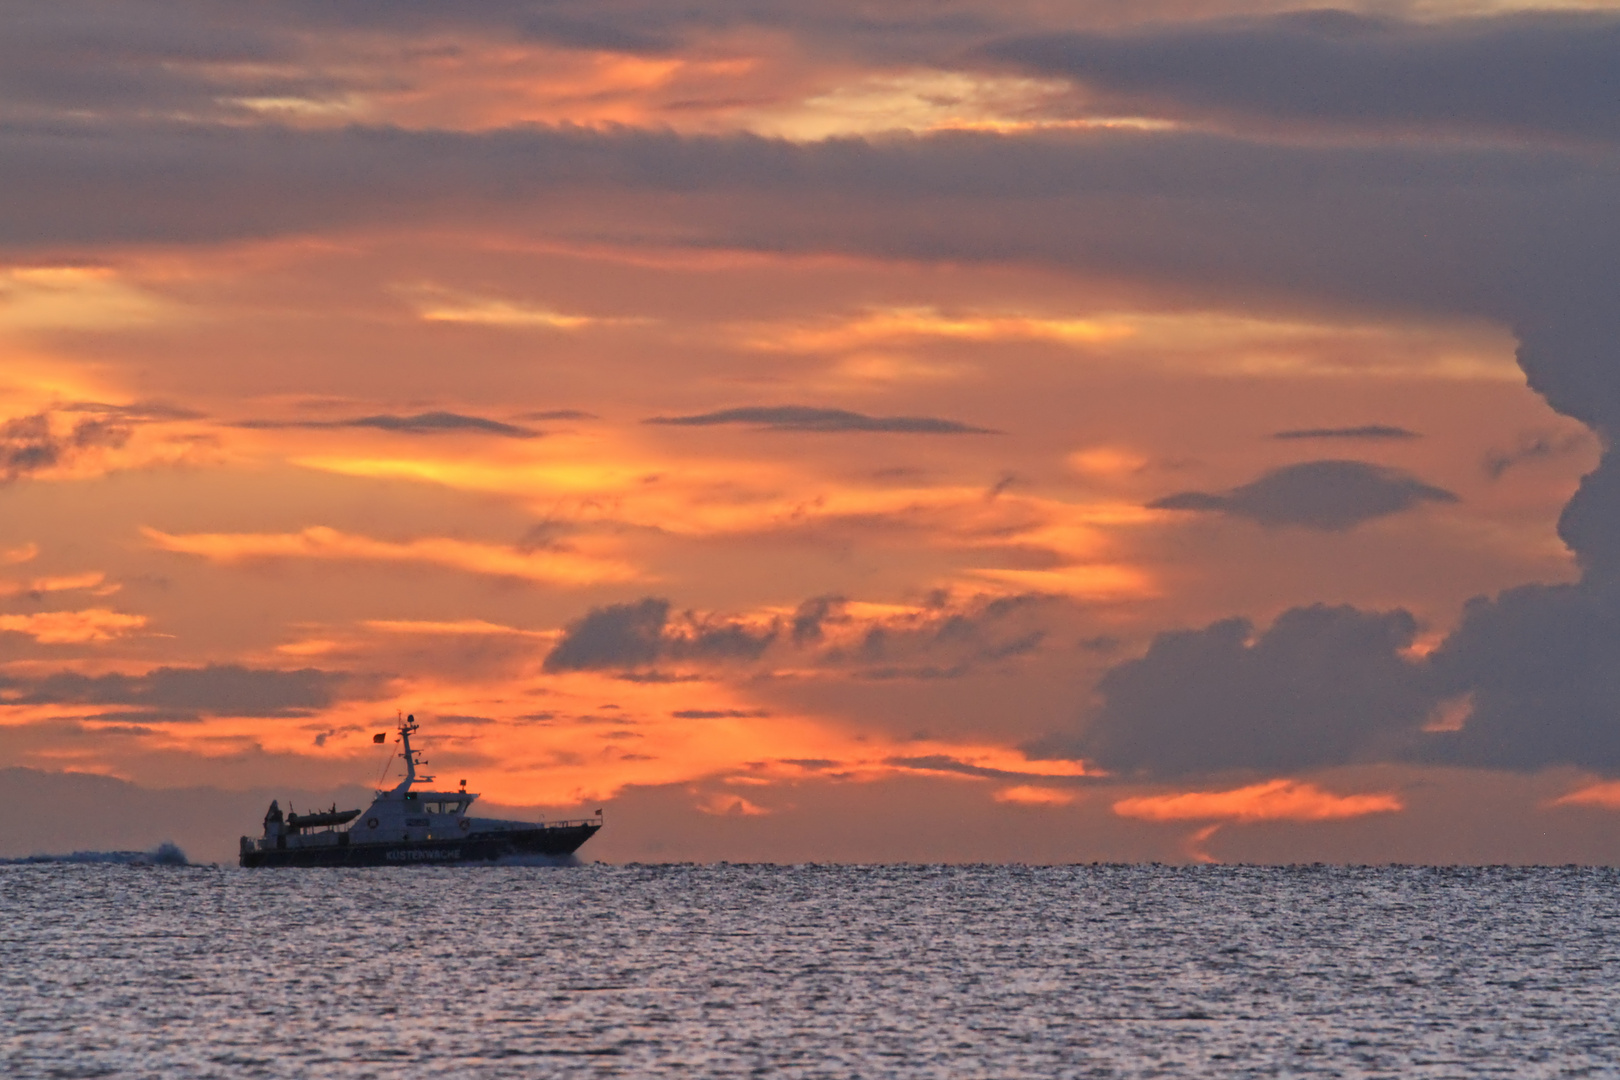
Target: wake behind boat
column 405, row 827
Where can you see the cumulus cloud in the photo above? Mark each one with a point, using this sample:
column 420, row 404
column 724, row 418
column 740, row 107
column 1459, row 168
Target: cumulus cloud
column 1527, row 681
column 1365, row 431
column 1329, row 495
column 642, row 633
column 1538, row 73
column 1542, row 666
column 1321, row 686
column 218, row 689
column 805, row 418
column 428, row 423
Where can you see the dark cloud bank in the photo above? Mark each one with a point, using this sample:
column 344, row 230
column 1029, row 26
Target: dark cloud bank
column 1542, row 72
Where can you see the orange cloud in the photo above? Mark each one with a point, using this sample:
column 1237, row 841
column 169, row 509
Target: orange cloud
column 92, row 580
column 1026, row 795
column 1107, row 462
column 1603, row 796
column 320, row 542
column 1274, row 800
column 444, row 306
column 567, row 739
column 458, row 627
column 897, row 324
column 722, row 805
column 573, row 480
column 19, row 555
column 76, row 298
column 72, row 627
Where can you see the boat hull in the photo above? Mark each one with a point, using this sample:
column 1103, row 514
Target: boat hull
column 556, row 840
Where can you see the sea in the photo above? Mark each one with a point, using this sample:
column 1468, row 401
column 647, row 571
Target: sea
column 141, row 968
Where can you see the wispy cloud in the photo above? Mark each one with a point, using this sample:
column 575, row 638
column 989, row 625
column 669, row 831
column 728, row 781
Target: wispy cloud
column 427, row 423
column 1365, row 431
column 72, row 627
column 808, row 418
column 77, row 298
column 92, row 581
column 446, row 306
column 319, row 542
column 26, row 553
column 899, row 324
column 1027, row 795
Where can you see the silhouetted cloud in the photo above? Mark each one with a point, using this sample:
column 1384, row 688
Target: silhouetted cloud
column 809, row 616
column 1366, row 431
column 219, row 689
column 136, row 412
column 31, row 443
column 712, row 638
column 1547, row 73
column 1322, row 686
column 638, row 634
column 719, row 714
column 1329, row 495
column 944, row 638
column 805, row 418
column 1540, row 666
column 618, row 635
column 428, row 423
column 947, row 764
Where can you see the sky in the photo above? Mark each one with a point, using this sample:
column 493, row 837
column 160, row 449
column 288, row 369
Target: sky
column 951, row 431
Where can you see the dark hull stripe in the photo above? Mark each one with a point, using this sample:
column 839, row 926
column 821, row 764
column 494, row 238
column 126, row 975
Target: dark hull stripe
column 476, row 848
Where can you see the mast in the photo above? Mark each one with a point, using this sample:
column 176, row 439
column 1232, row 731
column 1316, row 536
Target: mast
column 407, row 728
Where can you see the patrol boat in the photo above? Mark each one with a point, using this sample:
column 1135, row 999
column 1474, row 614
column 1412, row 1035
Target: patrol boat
column 405, row 827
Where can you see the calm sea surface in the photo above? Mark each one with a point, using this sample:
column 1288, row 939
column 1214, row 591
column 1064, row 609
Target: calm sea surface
column 808, row 971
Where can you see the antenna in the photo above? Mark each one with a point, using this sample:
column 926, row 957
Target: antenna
column 407, row 728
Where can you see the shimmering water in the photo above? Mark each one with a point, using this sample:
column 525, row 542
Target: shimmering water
column 808, row 971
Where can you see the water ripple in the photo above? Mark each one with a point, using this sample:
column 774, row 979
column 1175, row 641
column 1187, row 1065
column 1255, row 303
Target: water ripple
column 810, row 971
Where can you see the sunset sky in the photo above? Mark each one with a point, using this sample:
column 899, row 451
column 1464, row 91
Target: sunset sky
column 955, row 431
